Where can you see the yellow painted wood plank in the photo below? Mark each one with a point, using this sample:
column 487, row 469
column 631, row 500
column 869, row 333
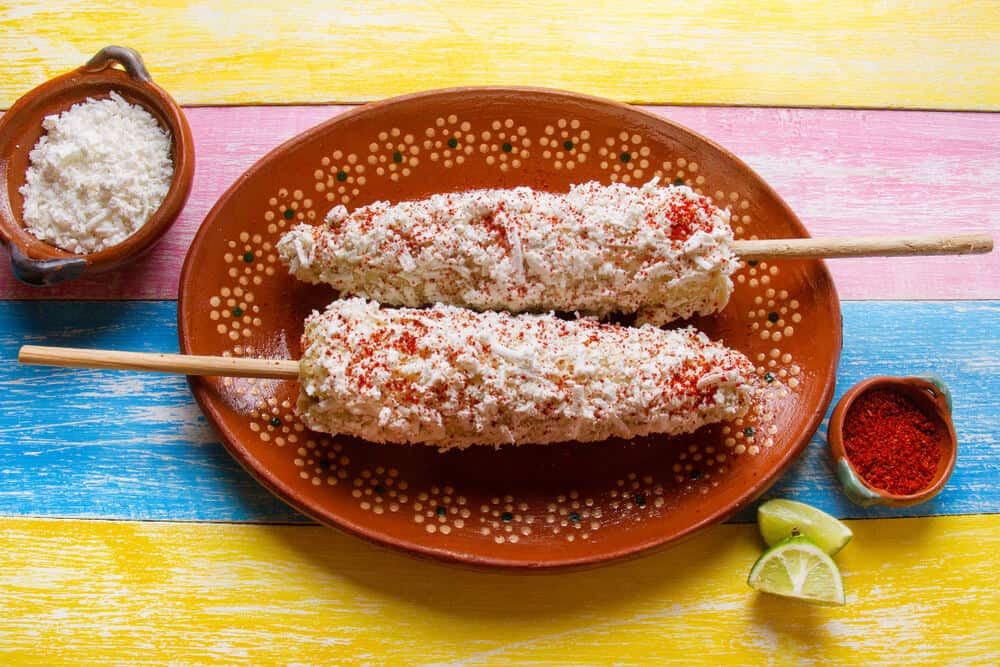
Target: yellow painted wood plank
column 111, row 592
column 924, row 53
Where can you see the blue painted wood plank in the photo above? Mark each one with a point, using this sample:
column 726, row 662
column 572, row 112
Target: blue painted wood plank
column 958, row 340
column 82, row 443
column 76, row 443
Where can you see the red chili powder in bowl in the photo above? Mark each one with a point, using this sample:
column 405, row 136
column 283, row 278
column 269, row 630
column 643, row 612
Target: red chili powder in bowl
column 890, row 442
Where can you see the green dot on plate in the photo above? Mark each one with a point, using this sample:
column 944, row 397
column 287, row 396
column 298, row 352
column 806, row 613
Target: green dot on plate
column 379, row 489
column 574, row 517
column 568, row 145
column 768, row 377
column 640, row 500
column 772, row 316
column 507, row 147
column 397, row 157
column 441, row 511
column 695, row 474
column 341, row 176
column 237, row 312
column 453, row 143
column 752, row 262
column 248, row 257
column 749, row 431
column 507, row 516
column 625, row 157
column 275, row 421
column 678, row 181
column 289, row 214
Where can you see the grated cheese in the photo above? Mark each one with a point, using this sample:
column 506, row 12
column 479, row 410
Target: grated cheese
column 99, row 172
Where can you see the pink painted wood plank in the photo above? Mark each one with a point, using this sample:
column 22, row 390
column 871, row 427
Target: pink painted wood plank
column 845, row 172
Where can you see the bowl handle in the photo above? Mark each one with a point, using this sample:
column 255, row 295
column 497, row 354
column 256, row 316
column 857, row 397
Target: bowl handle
column 126, row 57
column 854, row 488
column 42, row 272
column 941, row 389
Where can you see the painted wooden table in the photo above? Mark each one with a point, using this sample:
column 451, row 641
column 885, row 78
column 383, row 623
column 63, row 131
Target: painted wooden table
column 128, row 535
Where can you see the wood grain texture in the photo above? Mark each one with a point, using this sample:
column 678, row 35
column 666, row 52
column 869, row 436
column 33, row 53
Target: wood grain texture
column 134, row 446
column 108, row 593
column 915, row 54
column 846, row 173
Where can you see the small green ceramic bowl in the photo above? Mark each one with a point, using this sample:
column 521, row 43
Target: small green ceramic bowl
column 931, row 395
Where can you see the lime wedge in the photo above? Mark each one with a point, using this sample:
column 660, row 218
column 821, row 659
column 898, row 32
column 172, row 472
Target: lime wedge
column 779, row 519
column 797, row 568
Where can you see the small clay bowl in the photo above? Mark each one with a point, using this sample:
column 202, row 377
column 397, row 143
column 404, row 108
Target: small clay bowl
column 931, row 396
column 37, row 262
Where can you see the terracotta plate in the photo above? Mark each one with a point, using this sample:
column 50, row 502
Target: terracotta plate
column 533, row 506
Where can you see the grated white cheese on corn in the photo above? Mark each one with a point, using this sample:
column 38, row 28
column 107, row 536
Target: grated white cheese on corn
column 99, row 172
column 452, row 377
column 662, row 252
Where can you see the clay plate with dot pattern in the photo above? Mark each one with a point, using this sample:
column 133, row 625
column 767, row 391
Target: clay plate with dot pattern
column 516, row 507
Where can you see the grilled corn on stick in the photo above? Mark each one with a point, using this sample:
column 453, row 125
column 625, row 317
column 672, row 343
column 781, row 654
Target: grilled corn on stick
column 453, row 377
column 661, row 252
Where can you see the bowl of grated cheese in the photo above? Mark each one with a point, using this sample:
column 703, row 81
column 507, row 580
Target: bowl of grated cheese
column 95, row 166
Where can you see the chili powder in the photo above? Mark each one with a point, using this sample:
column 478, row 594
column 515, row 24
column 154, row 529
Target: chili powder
column 890, row 442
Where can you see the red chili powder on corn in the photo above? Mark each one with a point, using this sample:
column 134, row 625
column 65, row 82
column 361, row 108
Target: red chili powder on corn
column 890, row 442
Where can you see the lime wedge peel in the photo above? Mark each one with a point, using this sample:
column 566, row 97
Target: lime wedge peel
column 779, row 519
column 797, row 568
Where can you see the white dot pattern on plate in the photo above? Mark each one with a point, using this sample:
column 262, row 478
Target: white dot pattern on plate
column 566, row 144
column 340, row 177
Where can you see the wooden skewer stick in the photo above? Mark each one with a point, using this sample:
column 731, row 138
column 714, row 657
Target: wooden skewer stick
column 870, row 246
column 186, row 364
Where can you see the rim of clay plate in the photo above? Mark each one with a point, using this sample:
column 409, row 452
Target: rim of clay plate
column 290, row 496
